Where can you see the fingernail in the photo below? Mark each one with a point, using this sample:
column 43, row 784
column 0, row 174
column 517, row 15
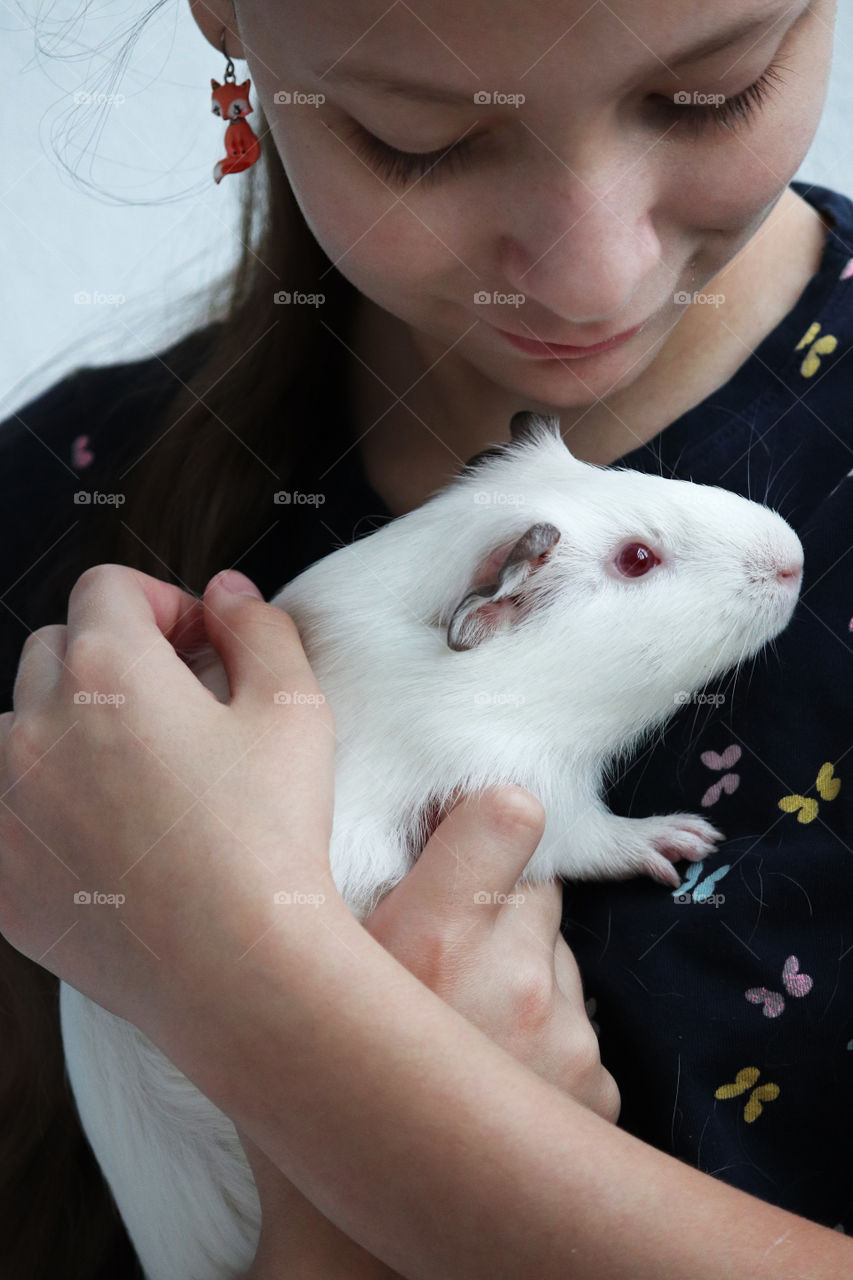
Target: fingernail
column 236, row 583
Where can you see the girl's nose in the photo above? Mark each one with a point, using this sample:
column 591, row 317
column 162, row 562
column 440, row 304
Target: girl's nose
column 585, row 252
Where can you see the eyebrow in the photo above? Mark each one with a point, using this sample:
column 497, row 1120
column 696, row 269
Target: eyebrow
column 421, row 91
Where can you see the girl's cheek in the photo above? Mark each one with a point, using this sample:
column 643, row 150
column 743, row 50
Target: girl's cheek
column 374, row 240
column 733, row 178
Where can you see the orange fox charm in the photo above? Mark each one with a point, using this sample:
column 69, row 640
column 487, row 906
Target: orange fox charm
column 231, row 102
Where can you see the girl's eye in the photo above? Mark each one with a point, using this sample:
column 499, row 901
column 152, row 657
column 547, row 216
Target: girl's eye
column 732, row 113
column 405, row 166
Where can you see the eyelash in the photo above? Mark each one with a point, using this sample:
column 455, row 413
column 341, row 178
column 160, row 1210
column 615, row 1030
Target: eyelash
column 402, row 166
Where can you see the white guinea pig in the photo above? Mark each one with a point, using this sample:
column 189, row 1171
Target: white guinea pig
column 527, row 624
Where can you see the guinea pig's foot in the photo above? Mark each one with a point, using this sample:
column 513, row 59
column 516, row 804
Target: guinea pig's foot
column 675, row 837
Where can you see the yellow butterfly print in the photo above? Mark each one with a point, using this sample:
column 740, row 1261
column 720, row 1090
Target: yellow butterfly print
column 817, row 347
column 745, row 1079
column 828, row 786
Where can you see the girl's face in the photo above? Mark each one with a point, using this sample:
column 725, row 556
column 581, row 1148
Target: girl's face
column 572, row 169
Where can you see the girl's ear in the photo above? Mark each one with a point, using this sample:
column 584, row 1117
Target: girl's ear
column 212, row 17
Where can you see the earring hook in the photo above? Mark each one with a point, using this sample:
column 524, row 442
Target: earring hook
column 230, row 77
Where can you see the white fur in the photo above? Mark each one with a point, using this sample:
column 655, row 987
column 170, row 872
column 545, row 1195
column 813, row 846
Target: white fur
column 562, row 688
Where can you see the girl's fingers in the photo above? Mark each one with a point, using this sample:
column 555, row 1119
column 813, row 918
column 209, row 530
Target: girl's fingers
column 473, row 859
column 120, row 622
column 261, row 650
column 40, row 666
column 130, row 604
column 567, row 972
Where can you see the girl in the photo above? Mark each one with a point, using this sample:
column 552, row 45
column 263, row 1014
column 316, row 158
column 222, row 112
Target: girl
column 578, row 209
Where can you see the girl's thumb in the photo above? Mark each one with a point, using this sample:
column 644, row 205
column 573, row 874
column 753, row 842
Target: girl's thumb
column 258, row 643
column 233, row 582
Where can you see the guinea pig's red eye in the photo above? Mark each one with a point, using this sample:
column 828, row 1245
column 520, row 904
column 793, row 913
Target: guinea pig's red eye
column 635, row 559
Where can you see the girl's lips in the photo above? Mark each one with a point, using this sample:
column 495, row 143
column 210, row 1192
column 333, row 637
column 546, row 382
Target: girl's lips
column 548, row 350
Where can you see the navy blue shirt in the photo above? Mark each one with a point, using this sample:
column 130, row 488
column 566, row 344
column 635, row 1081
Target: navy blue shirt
column 725, row 1009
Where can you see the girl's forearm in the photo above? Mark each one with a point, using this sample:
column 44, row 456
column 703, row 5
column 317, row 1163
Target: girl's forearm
column 368, row 1091
column 302, row 1244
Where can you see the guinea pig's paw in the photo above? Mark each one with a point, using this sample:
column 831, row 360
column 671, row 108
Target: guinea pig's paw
column 682, row 835
column 660, row 868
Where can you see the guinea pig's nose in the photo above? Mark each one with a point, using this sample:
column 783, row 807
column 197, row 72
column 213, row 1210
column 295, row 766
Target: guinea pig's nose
column 790, row 572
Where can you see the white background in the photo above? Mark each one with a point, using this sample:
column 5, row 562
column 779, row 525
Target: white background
column 63, row 234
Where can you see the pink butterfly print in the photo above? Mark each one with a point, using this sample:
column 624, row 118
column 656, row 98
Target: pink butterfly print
column 796, row 984
column 81, row 454
column 848, row 271
column 729, row 781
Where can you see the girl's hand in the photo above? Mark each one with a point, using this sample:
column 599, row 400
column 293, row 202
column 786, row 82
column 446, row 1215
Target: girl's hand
column 498, row 958
column 502, row 963
column 120, row 774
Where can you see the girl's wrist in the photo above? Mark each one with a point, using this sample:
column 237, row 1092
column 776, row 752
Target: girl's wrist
column 209, row 1031
column 296, row 1239
column 302, row 1244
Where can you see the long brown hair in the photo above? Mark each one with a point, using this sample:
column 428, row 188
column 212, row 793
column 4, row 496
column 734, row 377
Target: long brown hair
column 215, row 453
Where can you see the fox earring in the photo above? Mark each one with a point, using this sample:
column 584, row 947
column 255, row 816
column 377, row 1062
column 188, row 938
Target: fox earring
column 230, row 101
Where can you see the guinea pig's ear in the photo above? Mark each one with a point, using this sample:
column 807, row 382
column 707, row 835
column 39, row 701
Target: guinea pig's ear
column 524, row 424
column 500, row 601
column 494, row 451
